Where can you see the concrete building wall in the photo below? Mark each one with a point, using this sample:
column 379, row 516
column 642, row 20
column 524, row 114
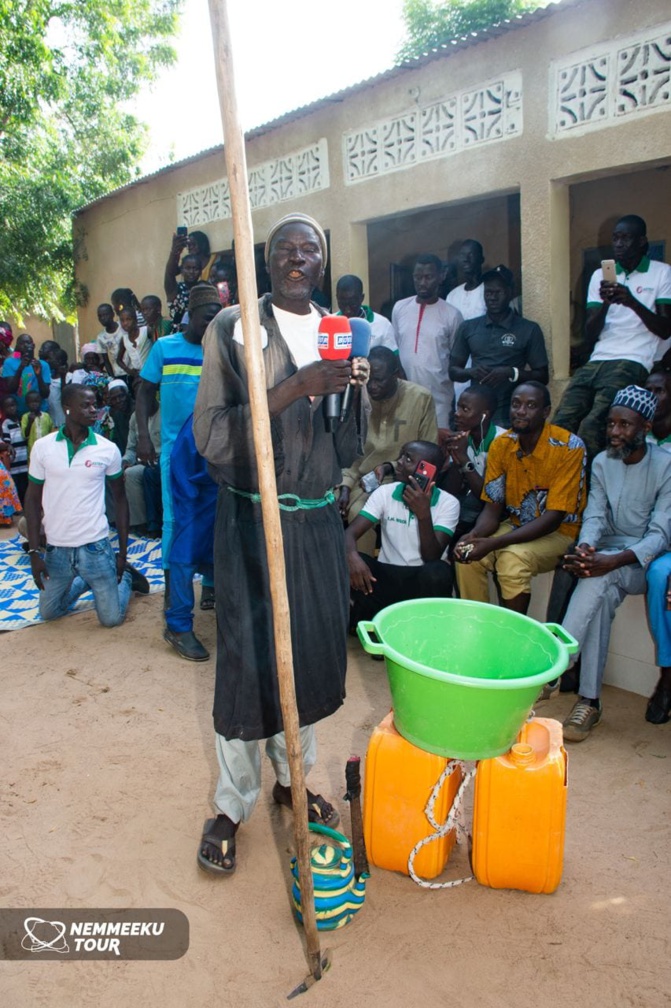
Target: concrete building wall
column 127, row 235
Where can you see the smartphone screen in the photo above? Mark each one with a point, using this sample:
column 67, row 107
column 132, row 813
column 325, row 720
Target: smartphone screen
column 181, row 231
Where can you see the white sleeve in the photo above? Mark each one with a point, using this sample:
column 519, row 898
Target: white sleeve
column 114, row 464
column 593, row 296
column 445, row 515
column 376, row 505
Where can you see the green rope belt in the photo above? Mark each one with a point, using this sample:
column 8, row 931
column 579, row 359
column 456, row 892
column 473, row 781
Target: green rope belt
column 298, row 503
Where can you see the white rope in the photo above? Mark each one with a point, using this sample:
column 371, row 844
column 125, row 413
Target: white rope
column 453, row 822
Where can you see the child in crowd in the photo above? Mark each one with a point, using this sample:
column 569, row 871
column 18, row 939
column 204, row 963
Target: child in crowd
column 9, row 499
column 17, row 462
column 59, row 377
column 35, row 424
column 134, row 346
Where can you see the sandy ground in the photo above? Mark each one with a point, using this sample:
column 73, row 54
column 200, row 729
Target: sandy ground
column 108, row 765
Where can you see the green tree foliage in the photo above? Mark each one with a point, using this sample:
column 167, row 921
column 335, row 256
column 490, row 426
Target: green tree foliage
column 432, row 22
column 66, row 69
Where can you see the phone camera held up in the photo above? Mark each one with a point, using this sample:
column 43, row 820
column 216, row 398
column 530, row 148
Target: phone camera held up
column 182, row 231
column 424, row 473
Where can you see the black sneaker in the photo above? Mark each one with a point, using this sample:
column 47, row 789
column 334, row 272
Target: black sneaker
column 186, row 645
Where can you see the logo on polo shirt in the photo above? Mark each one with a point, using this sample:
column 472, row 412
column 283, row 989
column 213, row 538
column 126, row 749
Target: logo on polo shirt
column 640, row 289
column 92, row 463
column 509, row 339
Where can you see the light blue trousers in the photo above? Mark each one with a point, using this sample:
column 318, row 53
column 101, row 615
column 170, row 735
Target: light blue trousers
column 74, row 570
column 239, row 782
column 590, row 616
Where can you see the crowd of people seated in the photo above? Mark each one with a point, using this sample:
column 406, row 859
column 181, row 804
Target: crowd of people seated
column 460, row 383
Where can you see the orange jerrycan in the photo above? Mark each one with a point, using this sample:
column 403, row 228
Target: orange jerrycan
column 397, row 785
column 519, row 812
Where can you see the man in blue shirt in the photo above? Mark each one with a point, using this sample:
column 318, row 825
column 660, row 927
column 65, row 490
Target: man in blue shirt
column 174, row 366
column 27, row 374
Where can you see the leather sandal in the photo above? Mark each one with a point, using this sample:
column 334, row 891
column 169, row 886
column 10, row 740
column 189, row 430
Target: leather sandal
column 225, row 844
column 319, row 810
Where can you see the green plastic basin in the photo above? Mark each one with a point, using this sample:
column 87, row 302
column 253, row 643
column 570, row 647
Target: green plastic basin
column 464, row 675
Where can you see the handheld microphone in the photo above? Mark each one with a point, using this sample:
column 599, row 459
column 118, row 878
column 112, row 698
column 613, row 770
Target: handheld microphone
column 361, row 337
column 334, row 342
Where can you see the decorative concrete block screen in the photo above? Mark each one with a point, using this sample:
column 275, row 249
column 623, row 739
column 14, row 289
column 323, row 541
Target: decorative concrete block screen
column 602, row 86
column 469, row 118
column 284, row 178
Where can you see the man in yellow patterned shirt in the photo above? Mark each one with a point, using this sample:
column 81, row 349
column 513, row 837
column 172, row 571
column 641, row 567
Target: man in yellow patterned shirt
column 534, row 493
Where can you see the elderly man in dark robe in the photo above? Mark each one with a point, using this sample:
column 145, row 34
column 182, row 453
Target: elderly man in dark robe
column 308, row 466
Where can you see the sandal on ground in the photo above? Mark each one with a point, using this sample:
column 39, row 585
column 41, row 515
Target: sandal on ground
column 206, row 598
column 319, row 810
column 226, row 844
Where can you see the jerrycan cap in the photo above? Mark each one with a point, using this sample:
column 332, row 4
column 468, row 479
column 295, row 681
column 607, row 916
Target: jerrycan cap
column 522, row 754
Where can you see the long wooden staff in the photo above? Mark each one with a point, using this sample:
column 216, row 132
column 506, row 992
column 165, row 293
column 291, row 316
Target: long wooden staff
column 236, row 167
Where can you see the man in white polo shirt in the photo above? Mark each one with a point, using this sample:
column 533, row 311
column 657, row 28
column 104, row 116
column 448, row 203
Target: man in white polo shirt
column 415, row 526
column 627, row 323
column 67, row 476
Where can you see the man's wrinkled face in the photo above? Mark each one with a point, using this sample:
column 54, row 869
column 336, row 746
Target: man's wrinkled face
column 625, row 431
column 295, row 264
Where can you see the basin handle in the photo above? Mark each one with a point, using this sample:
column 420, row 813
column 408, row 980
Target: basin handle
column 564, row 636
column 363, row 630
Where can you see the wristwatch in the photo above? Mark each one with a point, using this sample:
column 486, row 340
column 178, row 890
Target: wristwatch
column 467, row 467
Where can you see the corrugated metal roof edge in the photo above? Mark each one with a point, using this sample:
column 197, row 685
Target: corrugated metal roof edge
column 445, row 49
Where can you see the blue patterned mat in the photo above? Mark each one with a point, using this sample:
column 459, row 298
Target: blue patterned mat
column 19, row 594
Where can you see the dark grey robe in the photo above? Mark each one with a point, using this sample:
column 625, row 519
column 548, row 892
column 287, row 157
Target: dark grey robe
column 308, row 462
